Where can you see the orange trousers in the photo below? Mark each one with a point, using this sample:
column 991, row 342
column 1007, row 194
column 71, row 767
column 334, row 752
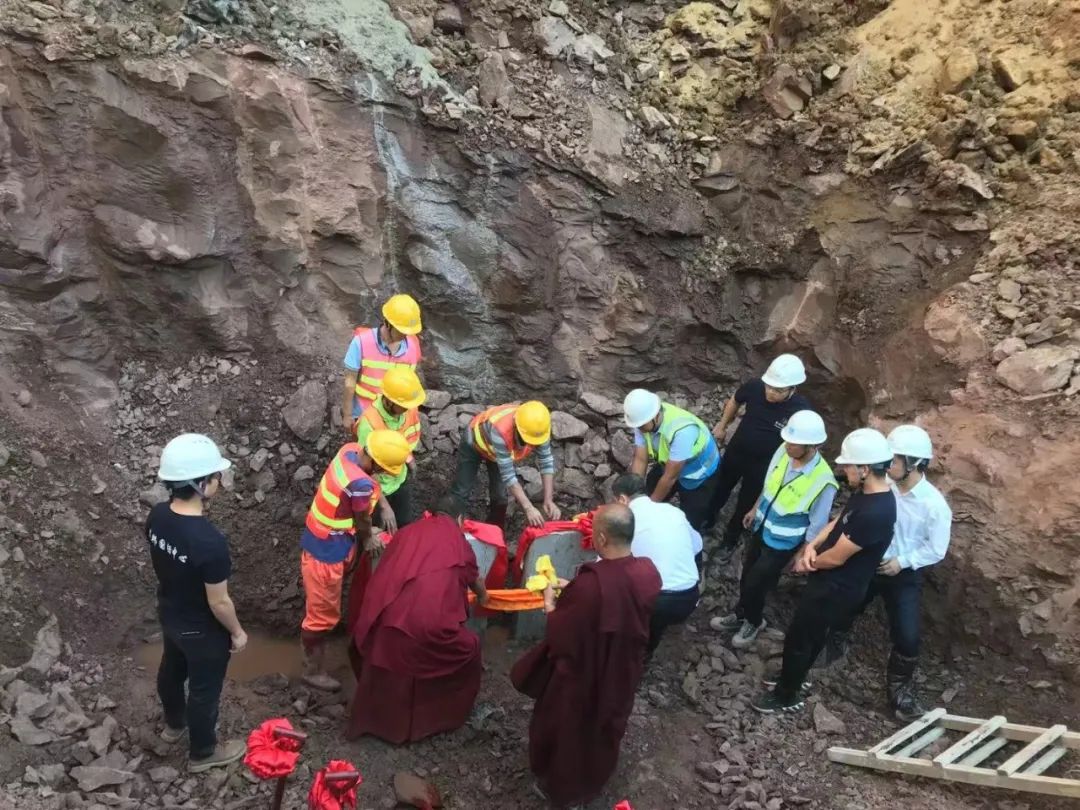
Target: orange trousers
column 322, row 591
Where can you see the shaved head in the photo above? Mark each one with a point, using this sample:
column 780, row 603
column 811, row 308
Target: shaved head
column 616, row 522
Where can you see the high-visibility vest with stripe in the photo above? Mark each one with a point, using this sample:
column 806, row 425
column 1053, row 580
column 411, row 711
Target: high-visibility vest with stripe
column 658, row 443
column 331, row 510
column 501, row 420
column 374, row 362
column 783, row 512
column 376, row 418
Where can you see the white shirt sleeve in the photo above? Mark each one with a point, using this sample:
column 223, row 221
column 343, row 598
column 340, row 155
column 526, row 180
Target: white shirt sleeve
column 934, row 544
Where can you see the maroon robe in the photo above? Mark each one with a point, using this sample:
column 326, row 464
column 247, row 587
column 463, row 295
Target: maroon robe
column 417, row 666
column 584, row 675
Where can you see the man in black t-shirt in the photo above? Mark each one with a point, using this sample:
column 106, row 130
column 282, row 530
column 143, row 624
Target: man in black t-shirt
column 767, row 405
column 841, row 562
column 199, row 628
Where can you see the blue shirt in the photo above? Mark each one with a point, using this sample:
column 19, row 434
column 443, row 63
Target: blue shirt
column 697, row 468
column 354, row 354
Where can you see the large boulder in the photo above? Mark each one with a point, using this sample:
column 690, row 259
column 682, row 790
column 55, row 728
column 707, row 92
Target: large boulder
column 605, row 406
column 306, row 410
column 1036, row 371
column 565, row 426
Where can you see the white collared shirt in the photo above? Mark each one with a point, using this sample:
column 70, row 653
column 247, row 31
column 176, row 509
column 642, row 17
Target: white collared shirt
column 923, row 526
column 663, row 534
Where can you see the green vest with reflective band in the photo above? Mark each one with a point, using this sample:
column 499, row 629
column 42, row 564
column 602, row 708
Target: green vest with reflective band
column 783, row 512
column 658, row 444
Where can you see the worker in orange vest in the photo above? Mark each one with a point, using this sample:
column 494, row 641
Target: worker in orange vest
column 397, row 409
column 500, row 437
column 338, row 520
column 373, row 351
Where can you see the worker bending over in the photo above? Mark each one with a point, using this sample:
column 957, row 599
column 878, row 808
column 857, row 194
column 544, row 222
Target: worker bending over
column 663, row 535
column 767, row 405
column 921, row 539
column 396, row 408
column 338, row 520
column 500, row 437
column 417, row 666
column 685, row 454
column 585, row 673
column 792, row 509
column 841, row 562
column 374, row 350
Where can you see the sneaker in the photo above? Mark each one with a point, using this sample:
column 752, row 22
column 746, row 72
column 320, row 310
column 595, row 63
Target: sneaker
column 172, row 735
column 772, row 680
column 747, row 635
column 771, row 703
column 725, row 623
column 224, row 754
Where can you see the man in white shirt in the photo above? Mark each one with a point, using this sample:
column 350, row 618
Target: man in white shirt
column 663, row 534
column 920, row 539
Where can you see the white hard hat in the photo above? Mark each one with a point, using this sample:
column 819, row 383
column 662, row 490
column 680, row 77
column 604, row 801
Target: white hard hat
column 189, row 457
column 784, row 372
column 640, row 406
column 864, row 446
column 911, row 440
column 804, row 427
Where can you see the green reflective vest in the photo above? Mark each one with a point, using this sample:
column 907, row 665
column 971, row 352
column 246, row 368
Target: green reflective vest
column 674, row 419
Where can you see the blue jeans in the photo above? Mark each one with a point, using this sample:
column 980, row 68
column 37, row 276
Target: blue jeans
column 199, row 657
column 902, row 595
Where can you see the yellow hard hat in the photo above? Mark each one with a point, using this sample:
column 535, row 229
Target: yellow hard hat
column 388, row 449
column 533, row 421
column 401, row 386
column 403, row 313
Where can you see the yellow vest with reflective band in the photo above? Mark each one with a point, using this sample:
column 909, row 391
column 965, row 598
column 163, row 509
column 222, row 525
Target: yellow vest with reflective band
column 500, row 419
column 374, row 362
column 658, row 444
column 783, row 512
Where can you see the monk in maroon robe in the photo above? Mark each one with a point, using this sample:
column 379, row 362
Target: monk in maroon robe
column 417, row 666
column 586, row 671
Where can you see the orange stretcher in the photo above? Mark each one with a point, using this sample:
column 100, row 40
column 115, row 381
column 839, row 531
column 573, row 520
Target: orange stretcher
column 510, row 600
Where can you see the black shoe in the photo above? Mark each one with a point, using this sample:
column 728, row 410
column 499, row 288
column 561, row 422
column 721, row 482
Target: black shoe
column 772, row 680
column 771, row 703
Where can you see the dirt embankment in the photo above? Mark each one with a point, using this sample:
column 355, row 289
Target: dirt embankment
column 198, row 201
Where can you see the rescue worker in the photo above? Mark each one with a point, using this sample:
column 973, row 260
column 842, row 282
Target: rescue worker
column 841, row 561
column 500, row 437
column 339, row 519
column 374, row 350
column 685, row 454
column 396, row 408
column 921, row 539
column 792, row 509
column 767, row 405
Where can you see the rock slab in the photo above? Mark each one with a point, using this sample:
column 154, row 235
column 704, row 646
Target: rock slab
column 1036, row 371
column 305, row 411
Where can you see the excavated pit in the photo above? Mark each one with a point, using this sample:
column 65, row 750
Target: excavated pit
column 188, row 237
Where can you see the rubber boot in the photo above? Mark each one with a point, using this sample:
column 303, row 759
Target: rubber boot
column 315, row 674
column 497, row 515
column 901, row 689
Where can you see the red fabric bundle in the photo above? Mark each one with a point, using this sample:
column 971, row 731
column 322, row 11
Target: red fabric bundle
column 270, row 756
column 581, row 523
column 334, row 795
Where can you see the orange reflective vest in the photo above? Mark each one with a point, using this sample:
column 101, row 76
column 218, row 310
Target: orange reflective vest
column 409, row 428
column 374, row 362
column 331, row 510
column 501, row 420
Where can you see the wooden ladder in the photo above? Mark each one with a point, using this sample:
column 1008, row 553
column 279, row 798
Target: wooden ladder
column 960, row 762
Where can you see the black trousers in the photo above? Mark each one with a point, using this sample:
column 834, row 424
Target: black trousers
column 672, row 607
column 695, row 503
column 902, row 595
column 468, row 469
column 739, row 469
column 199, row 658
column 762, row 567
column 820, row 609
column 401, row 503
